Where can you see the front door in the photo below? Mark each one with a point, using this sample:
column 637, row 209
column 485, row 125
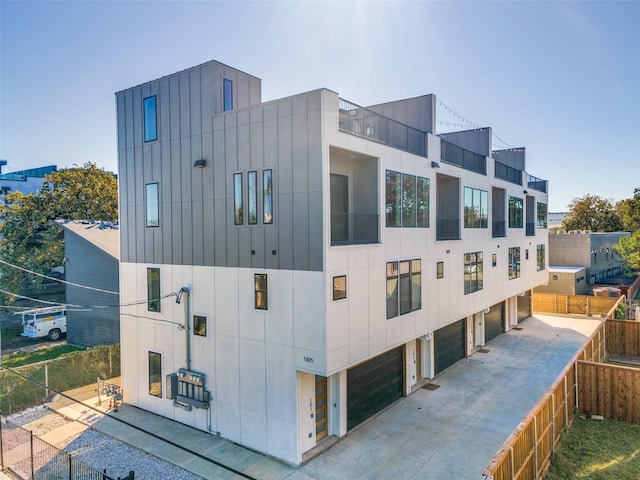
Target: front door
column 321, row 407
column 418, row 359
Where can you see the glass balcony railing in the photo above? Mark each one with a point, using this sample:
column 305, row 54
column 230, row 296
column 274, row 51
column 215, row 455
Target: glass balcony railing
column 354, row 228
column 537, row 183
column 510, row 174
column 447, row 229
column 499, row 229
column 455, row 155
column 531, row 229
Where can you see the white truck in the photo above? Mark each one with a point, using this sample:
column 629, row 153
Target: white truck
column 44, row 322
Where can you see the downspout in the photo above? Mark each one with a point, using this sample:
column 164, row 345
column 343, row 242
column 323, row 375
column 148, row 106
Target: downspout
column 185, row 291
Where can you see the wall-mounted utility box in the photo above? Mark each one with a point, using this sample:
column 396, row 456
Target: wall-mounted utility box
column 171, row 386
column 190, row 388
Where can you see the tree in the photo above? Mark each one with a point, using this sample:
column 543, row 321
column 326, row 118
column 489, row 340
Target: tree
column 594, row 213
column 629, row 212
column 629, row 249
column 30, row 236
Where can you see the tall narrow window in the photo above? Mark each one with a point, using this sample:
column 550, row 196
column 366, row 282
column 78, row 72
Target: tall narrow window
column 340, row 287
column 150, row 119
column 155, row 374
column 475, row 208
column 153, row 289
column 252, row 187
column 392, row 289
column 393, row 198
column 440, row 270
column 540, row 258
column 152, row 205
column 408, row 200
column 514, row 263
column 267, row 197
column 228, row 95
column 516, row 210
column 237, row 199
column 542, row 215
column 260, row 291
column 416, row 285
column 423, row 202
column 473, row 273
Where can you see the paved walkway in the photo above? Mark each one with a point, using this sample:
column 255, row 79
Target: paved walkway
column 451, row 432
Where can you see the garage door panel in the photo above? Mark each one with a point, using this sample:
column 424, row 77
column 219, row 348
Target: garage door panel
column 494, row 322
column 449, row 345
column 373, row 385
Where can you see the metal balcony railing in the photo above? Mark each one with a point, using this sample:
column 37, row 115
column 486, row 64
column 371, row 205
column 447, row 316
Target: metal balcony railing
column 499, row 229
column 366, row 123
column 447, row 229
column 354, row 228
column 531, row 229
column 537, row 183
column 455, row 155
column 510, row 174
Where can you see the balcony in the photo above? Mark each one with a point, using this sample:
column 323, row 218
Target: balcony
column 354, row 228
column 455, row 155
column 368, row 124
column 499, row 229
column 510, row 174
column 531, row 229
column 536, row 183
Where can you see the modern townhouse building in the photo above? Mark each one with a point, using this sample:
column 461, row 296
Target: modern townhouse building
column 295, row 266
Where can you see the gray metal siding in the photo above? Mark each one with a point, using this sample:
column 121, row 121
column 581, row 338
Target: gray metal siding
column 88, row 265
column 196, row 205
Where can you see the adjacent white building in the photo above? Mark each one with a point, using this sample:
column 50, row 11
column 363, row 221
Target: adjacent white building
column 327, row 258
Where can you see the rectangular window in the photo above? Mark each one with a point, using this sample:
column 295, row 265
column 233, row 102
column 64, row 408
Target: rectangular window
column 152, row 205
column 393, row 197
column 153, row 289
column 494, row 260
column 150, row 119
column 408, row 200
column 260, row 291
column 540, row 259
column 542, row 215
column 423, row 202
column 476, row 204
column 267, row 197
column 516, row 210
column 514, row 263
column 252, row 188
column 228, row 95
column 440, row 270
column 404, row 287
column 237, row 199
column 155, row 374
column 340, row 287
column 200, row 325
column 473, row 275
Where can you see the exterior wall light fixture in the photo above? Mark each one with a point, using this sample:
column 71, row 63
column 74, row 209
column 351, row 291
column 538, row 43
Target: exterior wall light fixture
column 200, row 163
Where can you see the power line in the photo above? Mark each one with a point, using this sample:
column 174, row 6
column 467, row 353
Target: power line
column 59, row 280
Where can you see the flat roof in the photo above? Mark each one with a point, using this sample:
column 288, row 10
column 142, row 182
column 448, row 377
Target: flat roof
column 560, row 268
column 104, row 235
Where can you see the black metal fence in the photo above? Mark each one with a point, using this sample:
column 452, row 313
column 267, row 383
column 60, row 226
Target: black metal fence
column 31, row 458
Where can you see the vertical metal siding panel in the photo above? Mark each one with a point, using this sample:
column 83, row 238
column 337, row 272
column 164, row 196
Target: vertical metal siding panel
column 176, row 204
column 270, row 244
column 270, row 146
column 244, row 147
column 164, row 111
column 220, row 232
column 206, row 98
column 300, row 173
column 208, row 171
column 174, row 105
column 141, row 181
column 131, row 234
column 285, row 165
column 176, row 241
column 185, row 103
column 243, row 94
column 314, row 150
column 255, row 91
column 301, row 231
column 139, row 203
column 216, row 87
column 187, row 233
column 270, row 158
column 137, row 117
column 156, row 176
column 208, row 232
column 285, row 230
column 198, row 233
column 121, row 122
column 220, row 178
column 257, row 139
column 220, row 172
column 195, row 125
column 123, row 219
column 187, row 224
column 315, row 232
column 244, row 247
column 195, row 173
column 128, row 107
column 232, row 237
column 165, row 207
column 257, row 245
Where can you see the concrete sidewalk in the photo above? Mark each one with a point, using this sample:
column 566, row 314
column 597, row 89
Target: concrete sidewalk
column 451, row 432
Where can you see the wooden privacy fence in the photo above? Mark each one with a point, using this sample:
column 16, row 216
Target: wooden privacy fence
column 527, row 452
column 623, row 338
column 571, row 304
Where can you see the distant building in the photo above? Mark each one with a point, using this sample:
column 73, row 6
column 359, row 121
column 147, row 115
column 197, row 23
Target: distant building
column 25, row 181
column 554, row 219
column 92, row 254
column 566, row 281
column 593, row 250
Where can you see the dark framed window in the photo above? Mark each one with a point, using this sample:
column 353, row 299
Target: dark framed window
column 153, row 289
column 237, row 199
column 152, row 205
column 267, row 196
column 150, row 119
column 440, row 270
column 540, row 258
column 404, row 287
column 542, row 215
column 476, row 204
column 514, row 263
column 494, row 260
column 408, row 200
column 393, row 197
column 155, row 374
column 252, row 192
column 423, row 202
column 516, row 210
column 227, row 95
column 260, row 291
column 473, row 274
column 340, row 287
column 200, row 325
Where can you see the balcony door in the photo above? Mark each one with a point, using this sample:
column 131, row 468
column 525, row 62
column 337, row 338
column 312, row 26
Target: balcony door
column 339, row 208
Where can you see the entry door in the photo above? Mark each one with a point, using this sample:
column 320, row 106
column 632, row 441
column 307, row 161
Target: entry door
column 339, row 208
column 418, row 359
column 306, row 410
column 321, row 407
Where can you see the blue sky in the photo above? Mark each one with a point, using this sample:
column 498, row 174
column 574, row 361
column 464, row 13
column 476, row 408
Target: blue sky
column 560, row 78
